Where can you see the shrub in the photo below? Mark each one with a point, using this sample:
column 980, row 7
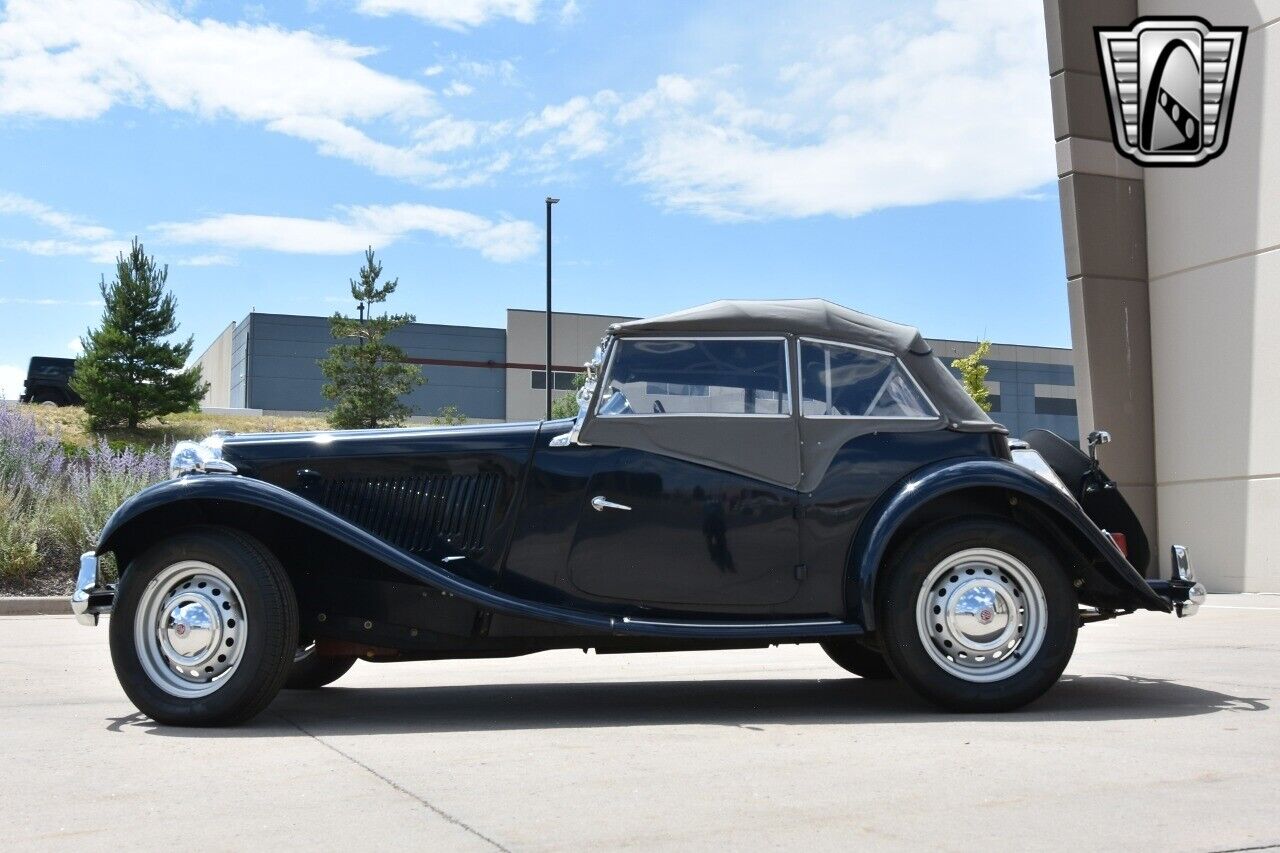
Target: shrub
column 52, row 506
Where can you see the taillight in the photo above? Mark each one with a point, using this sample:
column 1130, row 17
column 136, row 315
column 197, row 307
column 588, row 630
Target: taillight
column 1121, row 542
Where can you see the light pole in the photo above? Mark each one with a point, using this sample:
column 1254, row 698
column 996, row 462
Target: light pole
column 550, row 382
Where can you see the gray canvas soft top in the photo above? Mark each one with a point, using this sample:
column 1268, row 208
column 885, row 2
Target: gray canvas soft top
column 818, row 318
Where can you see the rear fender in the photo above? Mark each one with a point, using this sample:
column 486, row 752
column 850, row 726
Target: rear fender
column 892, row 514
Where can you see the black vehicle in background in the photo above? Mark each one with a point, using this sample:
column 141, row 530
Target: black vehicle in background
column 49, row 382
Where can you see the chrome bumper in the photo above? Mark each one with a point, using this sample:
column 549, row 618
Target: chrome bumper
column 1182, row 590
column 92, row 597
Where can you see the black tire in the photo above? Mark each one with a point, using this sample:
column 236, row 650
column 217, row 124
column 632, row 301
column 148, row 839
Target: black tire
column 858, row 658
column 311, row 671
column 899, row 597
column 270, row 612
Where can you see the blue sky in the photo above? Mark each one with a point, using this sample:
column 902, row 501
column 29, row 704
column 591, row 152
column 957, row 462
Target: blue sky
column 896, row 158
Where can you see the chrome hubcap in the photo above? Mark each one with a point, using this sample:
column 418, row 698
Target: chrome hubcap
column 190, row 629
column 981, row 615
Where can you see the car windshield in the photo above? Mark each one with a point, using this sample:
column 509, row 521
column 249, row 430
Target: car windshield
column 707, row 376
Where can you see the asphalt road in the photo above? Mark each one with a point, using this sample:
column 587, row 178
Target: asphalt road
column 1164, row 735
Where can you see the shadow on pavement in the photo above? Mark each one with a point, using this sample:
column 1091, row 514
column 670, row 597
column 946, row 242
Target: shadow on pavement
column 743, row 702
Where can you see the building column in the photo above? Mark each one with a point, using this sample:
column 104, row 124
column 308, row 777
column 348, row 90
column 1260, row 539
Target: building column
column 1105, row 239
column 1214, row 271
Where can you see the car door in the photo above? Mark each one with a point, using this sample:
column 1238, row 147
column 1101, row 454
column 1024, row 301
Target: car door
column 691, row 501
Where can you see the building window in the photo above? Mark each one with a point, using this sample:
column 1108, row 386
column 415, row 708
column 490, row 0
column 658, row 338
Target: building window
column 994, row 401
column 563, row 380
column 1055, row 406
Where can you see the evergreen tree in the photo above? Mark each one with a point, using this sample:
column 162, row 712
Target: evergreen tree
column 972, row 374
column 368, row 378
column 127, row 373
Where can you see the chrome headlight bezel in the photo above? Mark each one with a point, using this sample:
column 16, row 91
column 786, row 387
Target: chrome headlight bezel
column 199, row 457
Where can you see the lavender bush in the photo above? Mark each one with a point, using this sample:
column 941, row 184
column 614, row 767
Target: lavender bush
column 52, row 505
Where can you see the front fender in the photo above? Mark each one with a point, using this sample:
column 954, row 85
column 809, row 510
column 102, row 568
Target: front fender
column 932, row 482
column 264, row 495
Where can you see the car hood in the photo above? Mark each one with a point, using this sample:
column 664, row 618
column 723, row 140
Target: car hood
column 278, row 457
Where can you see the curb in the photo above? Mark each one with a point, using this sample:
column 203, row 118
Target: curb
column 34, row 605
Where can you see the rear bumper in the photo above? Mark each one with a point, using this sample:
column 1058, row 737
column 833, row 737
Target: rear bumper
column 92, row 597
column 1183, row 592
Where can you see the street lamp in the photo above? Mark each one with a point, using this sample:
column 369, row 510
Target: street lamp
column 549, row 382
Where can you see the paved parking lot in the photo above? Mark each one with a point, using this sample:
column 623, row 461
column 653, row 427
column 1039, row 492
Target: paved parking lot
column 1164, row 735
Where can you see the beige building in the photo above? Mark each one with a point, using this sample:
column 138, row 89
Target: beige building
column 1174, row 283
column 215, row 367
column 574, row 339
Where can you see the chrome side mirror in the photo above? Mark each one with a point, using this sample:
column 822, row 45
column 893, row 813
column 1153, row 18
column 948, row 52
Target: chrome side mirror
column 1098, row 436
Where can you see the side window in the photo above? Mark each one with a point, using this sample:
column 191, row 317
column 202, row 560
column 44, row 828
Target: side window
column 842, row 381
column 709, row 376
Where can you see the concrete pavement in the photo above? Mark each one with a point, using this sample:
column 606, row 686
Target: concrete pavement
column 1164, row 735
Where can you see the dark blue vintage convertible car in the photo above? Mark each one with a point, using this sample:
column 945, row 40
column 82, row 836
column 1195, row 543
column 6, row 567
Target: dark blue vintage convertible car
column 740, row 474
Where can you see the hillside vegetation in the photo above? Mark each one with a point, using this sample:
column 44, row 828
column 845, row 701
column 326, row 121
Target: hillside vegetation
column 70, row 425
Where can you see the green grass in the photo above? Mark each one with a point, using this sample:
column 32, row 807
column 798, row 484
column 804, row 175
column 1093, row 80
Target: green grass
column 70, row 425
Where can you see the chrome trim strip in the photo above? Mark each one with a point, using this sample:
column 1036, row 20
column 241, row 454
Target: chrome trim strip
column 732, row 625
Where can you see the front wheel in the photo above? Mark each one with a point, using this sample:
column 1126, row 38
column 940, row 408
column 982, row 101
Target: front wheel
column 204, row 628
column 977, row 615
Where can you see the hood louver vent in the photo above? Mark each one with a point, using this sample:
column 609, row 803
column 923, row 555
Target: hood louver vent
column 417, row 514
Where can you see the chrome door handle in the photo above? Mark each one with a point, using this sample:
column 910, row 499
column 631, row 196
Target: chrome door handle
column 600, row 503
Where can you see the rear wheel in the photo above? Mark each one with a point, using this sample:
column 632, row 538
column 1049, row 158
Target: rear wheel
column 204, row 628
column 856, row 657
column 977, row 615
column 311, row 670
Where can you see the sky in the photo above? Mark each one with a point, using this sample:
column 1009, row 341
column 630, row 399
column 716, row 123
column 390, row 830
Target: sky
column 893, row 157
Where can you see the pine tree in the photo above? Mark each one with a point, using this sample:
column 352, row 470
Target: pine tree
column 368, row 378
column 127, row 373
column 973, row 373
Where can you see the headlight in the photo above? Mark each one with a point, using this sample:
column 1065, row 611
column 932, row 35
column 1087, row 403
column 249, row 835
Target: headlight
column 199, row 456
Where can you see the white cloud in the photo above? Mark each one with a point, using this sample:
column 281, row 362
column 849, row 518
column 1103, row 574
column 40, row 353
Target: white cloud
column 372, row 225
column 919, row 109
column 433, row 71
column 12, row 378
column 66, row 223
column 570, row 11
column 64, row 59
column 337, row 139
column 12, row 300
column 212, row 260
column 579, row 125
column 99, row 252
column 458, row 89
column 74, row 346
column 455, row 14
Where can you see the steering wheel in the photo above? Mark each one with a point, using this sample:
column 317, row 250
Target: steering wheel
column 658, row 408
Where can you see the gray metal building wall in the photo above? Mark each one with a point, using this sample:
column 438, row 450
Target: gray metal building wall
column 1018, row 407
column 281, row 373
